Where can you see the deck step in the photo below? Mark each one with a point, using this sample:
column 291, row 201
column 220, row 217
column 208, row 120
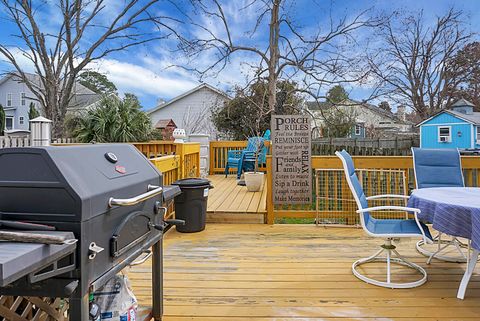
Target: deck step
column 231, row 203
column 236, row 218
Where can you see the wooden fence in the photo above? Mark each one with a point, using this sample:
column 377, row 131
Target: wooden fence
column 219, row 154
column 398, row 146
column 340, row 213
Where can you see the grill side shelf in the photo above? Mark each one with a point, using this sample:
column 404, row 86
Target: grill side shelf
column 19, row 259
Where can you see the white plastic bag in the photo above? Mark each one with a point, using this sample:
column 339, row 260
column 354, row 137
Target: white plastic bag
column 116, row 300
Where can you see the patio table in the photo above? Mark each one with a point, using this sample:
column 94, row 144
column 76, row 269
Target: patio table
column 454, row 211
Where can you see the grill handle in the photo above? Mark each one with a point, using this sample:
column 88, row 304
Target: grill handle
column 153, row 190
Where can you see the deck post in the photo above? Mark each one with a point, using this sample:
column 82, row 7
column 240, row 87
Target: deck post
column 270, row 219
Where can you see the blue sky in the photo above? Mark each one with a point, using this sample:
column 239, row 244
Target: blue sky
column 148, row 70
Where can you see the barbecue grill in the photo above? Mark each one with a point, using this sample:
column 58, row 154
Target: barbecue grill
column 106, row 205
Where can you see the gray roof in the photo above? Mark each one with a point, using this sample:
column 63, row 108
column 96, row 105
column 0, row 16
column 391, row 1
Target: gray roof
column 462, row 102
column 84, row 100
column 313, row 105
column 472, row 118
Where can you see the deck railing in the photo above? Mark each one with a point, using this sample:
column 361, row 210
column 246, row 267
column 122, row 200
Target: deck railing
column 188, row 155
column 185, row 163
column 340, row 208
column 219, row 153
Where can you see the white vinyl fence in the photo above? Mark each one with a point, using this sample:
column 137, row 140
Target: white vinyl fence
column 6, row 141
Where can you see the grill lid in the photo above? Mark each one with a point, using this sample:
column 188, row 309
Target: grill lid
column 70, row 183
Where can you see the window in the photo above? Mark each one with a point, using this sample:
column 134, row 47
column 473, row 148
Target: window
column 9, row 100
column 444, row 134
column 9, row 123
column 21, row 120
column 358, row 130
column 22, row 99
column 478, row 134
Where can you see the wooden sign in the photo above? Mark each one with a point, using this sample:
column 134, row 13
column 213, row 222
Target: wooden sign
column 291, row 159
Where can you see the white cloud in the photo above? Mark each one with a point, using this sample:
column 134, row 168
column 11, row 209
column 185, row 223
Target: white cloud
column 140, row 80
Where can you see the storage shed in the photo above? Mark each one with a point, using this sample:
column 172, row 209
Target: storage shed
column 458, row 127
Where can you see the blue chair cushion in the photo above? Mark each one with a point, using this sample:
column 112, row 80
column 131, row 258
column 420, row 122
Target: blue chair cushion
column 437, row 167
column 380, row 226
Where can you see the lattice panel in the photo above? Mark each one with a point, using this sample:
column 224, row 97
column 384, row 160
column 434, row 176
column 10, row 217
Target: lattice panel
column 18, row 308
column 335, row 203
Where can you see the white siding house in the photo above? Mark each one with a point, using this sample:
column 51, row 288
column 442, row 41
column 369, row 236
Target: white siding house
column 15, row 97
column 192, row 110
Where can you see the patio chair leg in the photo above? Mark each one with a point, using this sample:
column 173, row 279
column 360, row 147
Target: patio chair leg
column 441, row 246
column 389, row 248
column 388, row 267
column 468, row 274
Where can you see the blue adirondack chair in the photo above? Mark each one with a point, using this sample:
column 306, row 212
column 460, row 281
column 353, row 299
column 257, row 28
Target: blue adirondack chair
column 244, row 159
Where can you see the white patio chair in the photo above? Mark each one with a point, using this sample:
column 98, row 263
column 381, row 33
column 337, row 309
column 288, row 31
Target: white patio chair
column 388, row 229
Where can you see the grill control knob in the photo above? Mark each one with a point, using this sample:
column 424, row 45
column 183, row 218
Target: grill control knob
column 111, row 157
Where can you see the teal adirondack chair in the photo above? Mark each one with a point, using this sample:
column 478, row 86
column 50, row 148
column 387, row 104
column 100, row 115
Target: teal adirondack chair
column 244, row 159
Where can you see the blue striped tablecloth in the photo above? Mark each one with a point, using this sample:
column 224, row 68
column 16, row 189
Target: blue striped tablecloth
column 452, row 210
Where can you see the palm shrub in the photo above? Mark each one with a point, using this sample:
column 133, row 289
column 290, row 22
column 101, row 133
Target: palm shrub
column 114, row 120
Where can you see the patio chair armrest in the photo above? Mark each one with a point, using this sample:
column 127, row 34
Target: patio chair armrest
column 388, row 207
column 374, row 197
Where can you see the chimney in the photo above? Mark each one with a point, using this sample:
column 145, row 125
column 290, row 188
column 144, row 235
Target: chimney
column 401, row 112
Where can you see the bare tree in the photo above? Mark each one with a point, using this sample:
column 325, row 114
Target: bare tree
column 88, row 31
column 313, row 59
column 412, row 62
column 465, row 67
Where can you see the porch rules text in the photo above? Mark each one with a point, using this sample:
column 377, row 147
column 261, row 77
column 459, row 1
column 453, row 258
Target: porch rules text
column 291, row 159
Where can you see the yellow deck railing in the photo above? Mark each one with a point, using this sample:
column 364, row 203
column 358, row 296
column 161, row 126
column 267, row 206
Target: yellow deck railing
column 185, row 163
column 188, row 155
column 338, row 189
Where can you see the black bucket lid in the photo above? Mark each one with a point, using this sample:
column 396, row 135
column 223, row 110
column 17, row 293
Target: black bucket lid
column 192, row 182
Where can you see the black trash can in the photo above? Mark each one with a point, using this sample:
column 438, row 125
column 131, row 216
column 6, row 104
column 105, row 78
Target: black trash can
column 191, row 205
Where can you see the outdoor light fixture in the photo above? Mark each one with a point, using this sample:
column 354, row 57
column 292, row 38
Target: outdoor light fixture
column 179, row 135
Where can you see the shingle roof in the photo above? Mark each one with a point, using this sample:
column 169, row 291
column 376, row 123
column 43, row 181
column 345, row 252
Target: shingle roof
column 462, row 102
column 313, row 105
column 163, row 123
column 473, row 118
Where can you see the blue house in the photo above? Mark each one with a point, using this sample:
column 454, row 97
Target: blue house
column 458, row 127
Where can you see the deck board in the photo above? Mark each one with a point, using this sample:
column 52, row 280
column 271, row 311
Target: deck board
column 241, row 272
column 231, row 203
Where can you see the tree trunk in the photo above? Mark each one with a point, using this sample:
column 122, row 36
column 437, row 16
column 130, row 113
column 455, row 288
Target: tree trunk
column 273, row 62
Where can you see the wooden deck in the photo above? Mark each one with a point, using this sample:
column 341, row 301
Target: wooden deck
column 232, row 203
column 240, row 272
